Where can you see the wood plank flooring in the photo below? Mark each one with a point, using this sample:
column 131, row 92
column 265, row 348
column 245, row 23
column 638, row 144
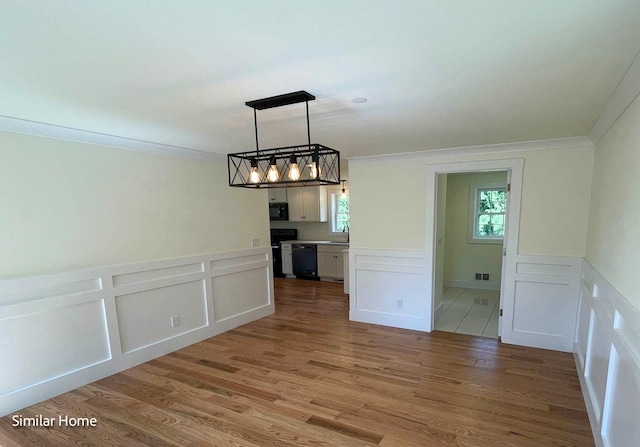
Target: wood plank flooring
column 306, row 376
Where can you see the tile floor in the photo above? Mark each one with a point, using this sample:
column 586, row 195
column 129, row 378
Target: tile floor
column 470, row 311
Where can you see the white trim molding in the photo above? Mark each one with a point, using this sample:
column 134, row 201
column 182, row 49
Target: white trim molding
column 515, row 168
column 523, row 146
column 389, row 287
column 607, row 356
column 481, row 285
column 61, row 331
column 11, row 124
column 625, row 93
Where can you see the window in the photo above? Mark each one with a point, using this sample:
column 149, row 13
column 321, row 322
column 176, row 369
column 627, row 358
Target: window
column 487, row 210
column 339, row 213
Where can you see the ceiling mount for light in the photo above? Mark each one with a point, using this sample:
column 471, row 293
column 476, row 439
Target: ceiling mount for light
column 302, row 165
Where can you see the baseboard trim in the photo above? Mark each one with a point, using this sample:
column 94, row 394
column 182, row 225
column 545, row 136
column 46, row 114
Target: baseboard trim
column 482, row 285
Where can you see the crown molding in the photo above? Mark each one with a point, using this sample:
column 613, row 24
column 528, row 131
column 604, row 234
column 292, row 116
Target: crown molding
column 535, row 145
column 625, row 93
column 19, row 125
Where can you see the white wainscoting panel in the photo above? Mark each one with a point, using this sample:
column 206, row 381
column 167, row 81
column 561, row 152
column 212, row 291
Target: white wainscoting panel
column 62, row 339
column 153, row 274
column 540, row 304
column 61, row 331
column 607, row 355
column 144, row 318
column 389, row 287
column 248, row 284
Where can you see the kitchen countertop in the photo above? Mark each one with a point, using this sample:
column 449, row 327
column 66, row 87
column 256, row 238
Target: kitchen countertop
column 344, row 244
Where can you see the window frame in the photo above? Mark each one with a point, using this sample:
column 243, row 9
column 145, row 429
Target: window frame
column 334, row 196
column 474, row 213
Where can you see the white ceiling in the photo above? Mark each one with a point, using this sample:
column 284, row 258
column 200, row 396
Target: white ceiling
column 436, row 73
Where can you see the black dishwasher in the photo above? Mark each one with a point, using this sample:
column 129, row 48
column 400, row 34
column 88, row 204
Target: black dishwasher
column 305, row 260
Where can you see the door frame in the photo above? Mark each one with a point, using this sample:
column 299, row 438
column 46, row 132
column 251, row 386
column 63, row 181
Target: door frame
column 515, row 168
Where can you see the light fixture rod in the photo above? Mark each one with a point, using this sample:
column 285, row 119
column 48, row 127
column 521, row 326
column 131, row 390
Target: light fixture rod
column 255, row 124
column 308, row 129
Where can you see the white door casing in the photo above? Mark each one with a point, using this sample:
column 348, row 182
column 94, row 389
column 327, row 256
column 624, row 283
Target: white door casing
column 515, row 168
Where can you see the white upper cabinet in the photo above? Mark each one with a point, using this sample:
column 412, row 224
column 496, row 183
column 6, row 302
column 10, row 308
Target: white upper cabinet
column 277, row 195
column 307, row 204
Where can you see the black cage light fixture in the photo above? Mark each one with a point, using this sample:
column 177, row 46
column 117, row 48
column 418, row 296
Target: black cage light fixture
column 302, row 165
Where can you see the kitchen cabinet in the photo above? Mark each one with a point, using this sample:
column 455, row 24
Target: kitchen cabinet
column 331, row 261
column 277, row 195
column 307, row 204
column 287, row 264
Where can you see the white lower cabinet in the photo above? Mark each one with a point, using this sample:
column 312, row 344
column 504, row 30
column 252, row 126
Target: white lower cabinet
column 287, row 264
column 330, row 261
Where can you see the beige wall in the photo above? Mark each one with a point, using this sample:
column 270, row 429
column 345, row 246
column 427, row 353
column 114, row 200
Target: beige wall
column 463, row 259
column 387, row 204
column 66, row 206
column 388, row 200
column 613, row 244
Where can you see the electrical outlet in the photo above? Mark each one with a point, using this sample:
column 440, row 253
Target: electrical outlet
column 175, row 321
column 485, row 277
column 478, row 276
column 255, row 242
column 399, row 303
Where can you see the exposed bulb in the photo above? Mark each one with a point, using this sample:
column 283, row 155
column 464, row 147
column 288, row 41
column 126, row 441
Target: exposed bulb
column 254, row 176
column 313, row 170
column 344, row 193
column 294, row 172
column 273, row 175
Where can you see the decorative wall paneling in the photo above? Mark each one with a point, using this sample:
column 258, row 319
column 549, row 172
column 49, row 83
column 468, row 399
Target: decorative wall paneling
column 540, row 302
column 607, row 355
column 61, row 331
column 389, row 287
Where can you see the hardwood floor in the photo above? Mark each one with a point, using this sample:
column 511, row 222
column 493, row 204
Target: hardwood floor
column 306, row 376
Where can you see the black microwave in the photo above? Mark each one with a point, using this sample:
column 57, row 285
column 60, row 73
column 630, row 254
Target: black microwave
column 278, row 211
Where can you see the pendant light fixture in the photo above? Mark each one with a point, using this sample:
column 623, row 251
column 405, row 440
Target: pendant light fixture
column 344, row 192
column 302, row 165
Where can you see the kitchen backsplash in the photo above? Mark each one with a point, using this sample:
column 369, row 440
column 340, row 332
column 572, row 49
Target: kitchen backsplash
column 311, row 231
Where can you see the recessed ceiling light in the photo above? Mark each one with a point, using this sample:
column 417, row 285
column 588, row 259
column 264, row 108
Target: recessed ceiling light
column 359, row 100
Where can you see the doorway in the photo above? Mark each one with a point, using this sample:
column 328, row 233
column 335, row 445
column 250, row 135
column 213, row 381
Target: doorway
column 470, row 222
column 435, row 258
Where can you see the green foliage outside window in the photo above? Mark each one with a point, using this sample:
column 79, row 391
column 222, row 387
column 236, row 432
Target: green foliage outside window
column 342, row 214
column 492, row 206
